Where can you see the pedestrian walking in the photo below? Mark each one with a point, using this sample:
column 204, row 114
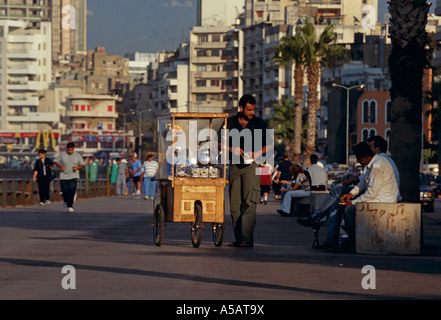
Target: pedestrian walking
column 43, row 175
column 70, row 163
column 121, row 178
column 265, row 182
column 136, row 172
column 149, row 169
column 244, row 183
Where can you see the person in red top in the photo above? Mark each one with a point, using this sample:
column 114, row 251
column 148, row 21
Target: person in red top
column 265, row 182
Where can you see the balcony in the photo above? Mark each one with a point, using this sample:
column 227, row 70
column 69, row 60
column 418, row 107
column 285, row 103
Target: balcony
column 16, row 69
column 209, row 75
column 23, row 86
column 41, row 117
column 24, row 101
column 23, row 54
column 92, row 114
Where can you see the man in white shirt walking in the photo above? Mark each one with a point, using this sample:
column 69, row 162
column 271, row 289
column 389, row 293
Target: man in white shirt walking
column 70, row 163
column 149, row 169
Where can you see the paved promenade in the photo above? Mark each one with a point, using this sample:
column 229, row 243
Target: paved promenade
column 109, row 243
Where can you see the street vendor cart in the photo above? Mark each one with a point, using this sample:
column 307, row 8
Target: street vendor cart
column 191, row 174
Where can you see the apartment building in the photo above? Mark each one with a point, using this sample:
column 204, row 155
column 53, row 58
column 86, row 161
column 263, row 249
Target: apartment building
column 209, row 88
column 267, row 21
column 69, row 27
column 68, row 17
column 344, row 12
column 214, row 13
column 168, row 80
column 138, row 63
column 92, row 123
column 106, row 73
column 25, row 72
column 31, row 11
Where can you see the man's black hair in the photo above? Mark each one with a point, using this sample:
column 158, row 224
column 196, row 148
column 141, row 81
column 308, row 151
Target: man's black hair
column 379, row 142
column 362, row 150
column 247, row 99
column 42, row 151
column 313, row 159
column 70, row 145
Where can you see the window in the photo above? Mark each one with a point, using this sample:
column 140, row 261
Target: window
column 83, row 108
column 201, row 97
column 216, row 38
column 202, row 38
column 388, row 140
column 201, row 68
column 369, row 111
column 110, row 108
column 202, row 53
column 215, row 83
column 367, row 133
column 201, row 83
column 388, row 111
column 109, row 126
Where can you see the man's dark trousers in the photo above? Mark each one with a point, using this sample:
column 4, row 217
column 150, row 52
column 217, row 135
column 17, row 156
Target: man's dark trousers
column 244, row 187
column 69, row 188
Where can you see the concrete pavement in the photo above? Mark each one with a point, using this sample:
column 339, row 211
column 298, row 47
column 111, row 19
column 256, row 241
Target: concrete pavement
column 109, row 243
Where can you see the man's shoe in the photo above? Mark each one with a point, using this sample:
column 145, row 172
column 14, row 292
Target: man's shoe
column 70, row 209
column 328, row 247
column 309, row 222
column 41, row 203
column 246, row 245
column 282, row 213
column 233, row 244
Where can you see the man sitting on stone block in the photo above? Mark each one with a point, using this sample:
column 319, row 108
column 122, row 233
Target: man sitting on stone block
column 378, row 185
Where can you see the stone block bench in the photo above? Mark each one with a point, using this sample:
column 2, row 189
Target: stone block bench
column 388, row 228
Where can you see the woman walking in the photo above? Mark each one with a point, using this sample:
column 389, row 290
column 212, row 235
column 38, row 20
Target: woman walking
column 43, row 174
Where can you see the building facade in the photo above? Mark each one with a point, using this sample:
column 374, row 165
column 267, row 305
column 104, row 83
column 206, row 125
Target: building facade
column 25, row 72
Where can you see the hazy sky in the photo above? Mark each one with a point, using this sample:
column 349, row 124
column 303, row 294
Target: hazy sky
column 147, row 25
column 139, row 25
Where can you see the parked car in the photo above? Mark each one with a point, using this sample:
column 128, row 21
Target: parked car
column 435, row 181
column 427, row 195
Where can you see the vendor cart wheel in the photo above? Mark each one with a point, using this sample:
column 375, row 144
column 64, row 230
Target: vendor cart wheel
column 218, row 233
column 158, row 225
column 196, row 226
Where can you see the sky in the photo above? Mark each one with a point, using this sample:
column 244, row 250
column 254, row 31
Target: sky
column 147, row 25
column 139, row 25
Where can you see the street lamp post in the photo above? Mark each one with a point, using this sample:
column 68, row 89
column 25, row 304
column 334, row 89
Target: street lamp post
column 124, row 127
column 140, row 133
column 361, row 86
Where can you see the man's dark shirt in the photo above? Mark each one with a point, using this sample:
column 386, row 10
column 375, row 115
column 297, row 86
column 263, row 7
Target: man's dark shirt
column 255, row 124
column 285, row 174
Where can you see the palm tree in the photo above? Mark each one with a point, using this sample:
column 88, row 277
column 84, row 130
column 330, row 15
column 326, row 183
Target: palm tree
column 318, row 52
column 283, row 123
column 409, row 56
column 291, row 51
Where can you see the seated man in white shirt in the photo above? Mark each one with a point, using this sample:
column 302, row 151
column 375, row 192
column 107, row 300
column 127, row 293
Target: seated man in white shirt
column 379, row 185
column 319, row 176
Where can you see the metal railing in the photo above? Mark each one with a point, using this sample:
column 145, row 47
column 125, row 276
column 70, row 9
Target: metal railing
column 24, row 192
